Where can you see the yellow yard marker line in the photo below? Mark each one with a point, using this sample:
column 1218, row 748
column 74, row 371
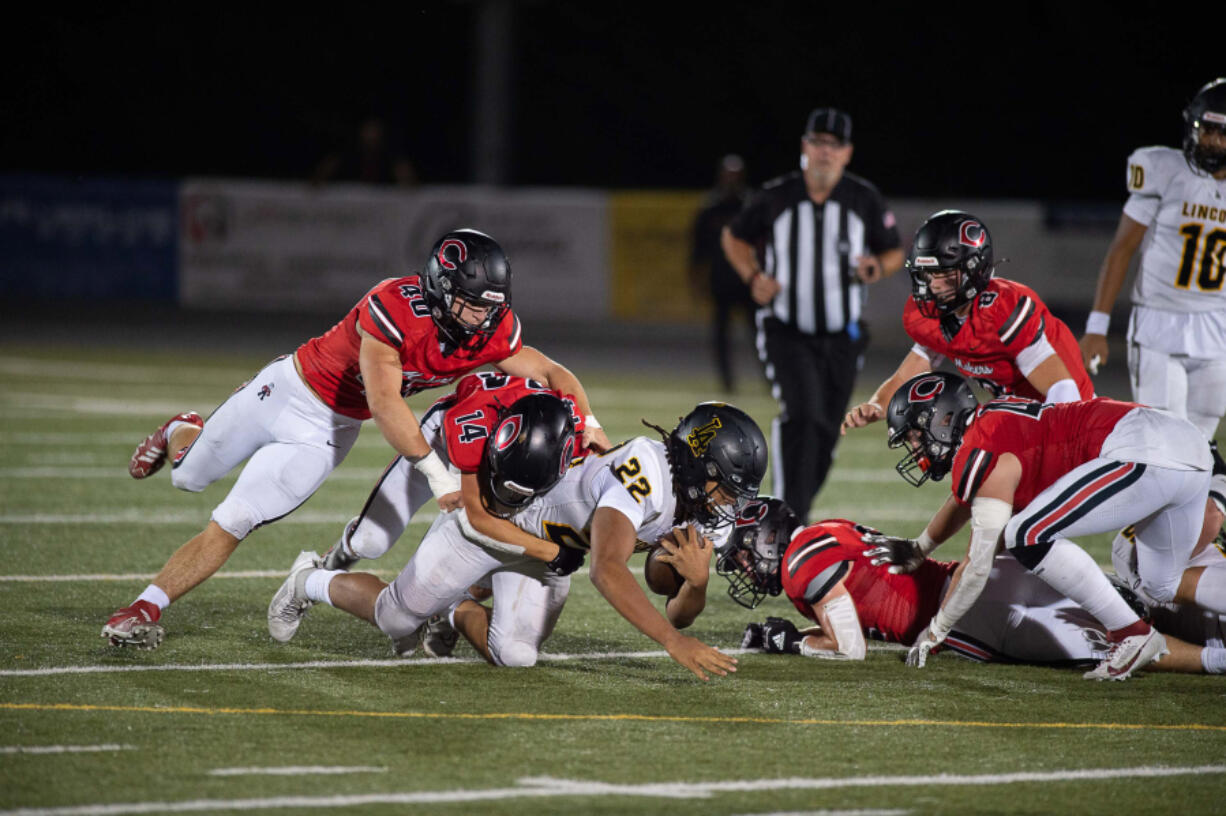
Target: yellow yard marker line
column 544, row 717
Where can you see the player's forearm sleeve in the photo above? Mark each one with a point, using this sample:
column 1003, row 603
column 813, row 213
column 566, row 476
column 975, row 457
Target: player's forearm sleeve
column 988, row 520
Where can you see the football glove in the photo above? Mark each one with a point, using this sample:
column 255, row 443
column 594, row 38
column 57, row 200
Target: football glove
column 902, row 554
column 752, row 639
column 780, row 636
column 566, row 561
column 917, row 656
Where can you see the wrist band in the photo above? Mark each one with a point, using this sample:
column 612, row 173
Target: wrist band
column 1097, row 323
column 924, row 543
column 589, row 421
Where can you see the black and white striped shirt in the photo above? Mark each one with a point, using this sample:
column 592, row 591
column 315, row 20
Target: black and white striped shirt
column 811, row 249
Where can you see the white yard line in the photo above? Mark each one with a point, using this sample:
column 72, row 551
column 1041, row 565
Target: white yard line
column 297, row 770
column 120, row 471
column 62, row 749
column 359, row 664
column 154, row 517
column 541, row 787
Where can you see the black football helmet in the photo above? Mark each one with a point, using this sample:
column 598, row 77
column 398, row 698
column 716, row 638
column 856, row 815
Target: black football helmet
column 937, row 407
column 469, row 267
column 528, row 452
column 718, row 443
column 949, row 240
column 1206, row 114
column 754, row 552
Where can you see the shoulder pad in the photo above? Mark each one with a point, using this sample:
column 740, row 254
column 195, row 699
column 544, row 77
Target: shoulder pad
column 1151, row 169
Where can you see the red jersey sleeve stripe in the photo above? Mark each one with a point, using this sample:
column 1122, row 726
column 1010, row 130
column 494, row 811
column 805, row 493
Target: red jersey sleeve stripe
column 383, row 320
column 797, row 559
column 1013, row 326
column 833, row 575
column 973, row 474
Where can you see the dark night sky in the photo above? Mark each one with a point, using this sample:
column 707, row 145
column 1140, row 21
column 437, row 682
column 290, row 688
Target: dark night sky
column 1043, row 102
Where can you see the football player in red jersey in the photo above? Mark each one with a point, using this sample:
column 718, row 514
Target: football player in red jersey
column 827, row 572
column 1072, row 469
column 995, row 331
column 299, row 416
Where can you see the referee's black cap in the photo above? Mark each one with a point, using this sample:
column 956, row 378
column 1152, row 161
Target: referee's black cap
column 832, row 121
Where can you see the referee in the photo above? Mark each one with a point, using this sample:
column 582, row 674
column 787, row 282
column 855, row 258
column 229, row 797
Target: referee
column 807, row 244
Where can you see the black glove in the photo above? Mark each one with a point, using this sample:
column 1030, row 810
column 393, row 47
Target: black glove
column 566, row 561
column 780, row 636
column 901, row 555
column 753, row 639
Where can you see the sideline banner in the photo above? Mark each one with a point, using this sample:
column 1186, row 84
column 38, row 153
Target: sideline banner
column 87, row 238
column 269, row 246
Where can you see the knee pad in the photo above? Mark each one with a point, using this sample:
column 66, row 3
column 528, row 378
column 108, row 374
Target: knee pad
column 515, row 653
column 185, row 478
column 236, row 517
column 395, row 621
column 369, row 541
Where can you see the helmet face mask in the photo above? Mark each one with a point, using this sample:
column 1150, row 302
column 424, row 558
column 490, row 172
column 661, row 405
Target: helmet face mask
column 949, row 243
column 1204, row 142
column 527, row 454
column 927, row 416
column 467, row 285
column 717, row 456
column 753, row 557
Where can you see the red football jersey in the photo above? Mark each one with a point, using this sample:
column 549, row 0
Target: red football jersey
column 1049, row 441
column 472, row 413
column 1004, row 319
column 893, row 608
column 396, row 313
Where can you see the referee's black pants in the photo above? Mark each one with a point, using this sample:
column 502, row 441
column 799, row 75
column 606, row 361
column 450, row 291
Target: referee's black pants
column 812, row 377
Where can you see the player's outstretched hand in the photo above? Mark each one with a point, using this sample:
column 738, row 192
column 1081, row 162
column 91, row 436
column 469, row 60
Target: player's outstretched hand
column 1093, row 347
column 863, row 414
column 924, row 644
column 901, row 555
column 689, row 553
column 700, row 658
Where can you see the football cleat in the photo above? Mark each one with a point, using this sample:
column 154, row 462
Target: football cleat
column 439, row 637
column 290, row 604
column 150, row 454
column 338, row 557
column 135, row 625
column 1130, row 654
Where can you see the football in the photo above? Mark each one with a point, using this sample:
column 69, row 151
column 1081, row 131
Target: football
column 661, row 578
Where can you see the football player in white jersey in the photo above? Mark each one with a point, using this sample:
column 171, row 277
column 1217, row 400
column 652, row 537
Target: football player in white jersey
column 702, row 473
column 1176, row 215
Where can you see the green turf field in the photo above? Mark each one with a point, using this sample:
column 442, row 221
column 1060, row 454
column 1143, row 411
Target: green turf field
column 221, row 718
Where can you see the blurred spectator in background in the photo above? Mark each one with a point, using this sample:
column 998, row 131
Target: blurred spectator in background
column 369, row 160
column 710, row 271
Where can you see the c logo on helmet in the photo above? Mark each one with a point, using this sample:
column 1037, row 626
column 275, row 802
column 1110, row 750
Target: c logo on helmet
column 926, row 389
column 753, row 513
column 972, row 234
column 461, row 251
column 508, row 432
column 700, row 438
